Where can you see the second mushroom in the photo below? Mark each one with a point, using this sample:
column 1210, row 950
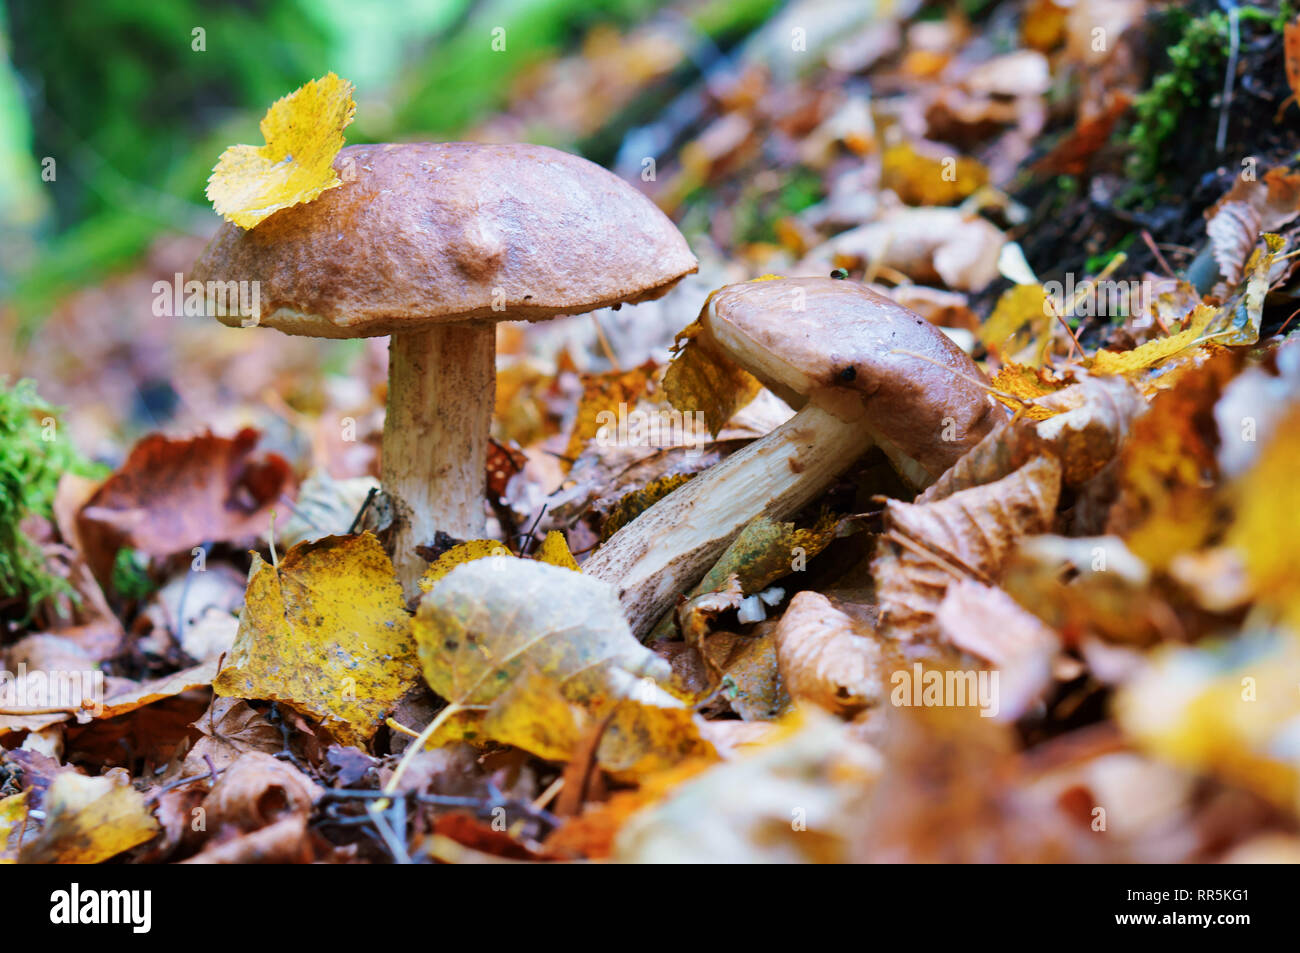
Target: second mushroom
column 862, row 371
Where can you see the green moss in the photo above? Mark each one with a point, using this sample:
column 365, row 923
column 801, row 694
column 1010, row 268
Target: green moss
column 131, row 578
column 1194, row 75
column 34, row 453
column 757, row 213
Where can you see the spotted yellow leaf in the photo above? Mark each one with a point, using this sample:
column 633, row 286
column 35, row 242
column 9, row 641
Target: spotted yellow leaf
column 461, row 553
column 555, row 551
column 303, row 132
column 1025, row 384
column 325, row 631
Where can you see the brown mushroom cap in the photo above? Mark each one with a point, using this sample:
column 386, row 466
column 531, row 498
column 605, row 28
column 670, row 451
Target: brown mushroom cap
column 425, row 233
column 836, row 343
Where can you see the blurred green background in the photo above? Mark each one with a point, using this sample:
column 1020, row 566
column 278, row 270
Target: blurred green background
column 128, row 106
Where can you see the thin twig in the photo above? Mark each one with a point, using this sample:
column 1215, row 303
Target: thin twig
column 356, row 520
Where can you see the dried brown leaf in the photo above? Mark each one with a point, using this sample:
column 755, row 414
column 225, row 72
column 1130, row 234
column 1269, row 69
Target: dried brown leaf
column 968, row 535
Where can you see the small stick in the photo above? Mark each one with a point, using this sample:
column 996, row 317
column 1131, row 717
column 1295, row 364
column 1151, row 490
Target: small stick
column 356, row 520
column 1074, row 341
column 1155, row 250
column 1229, row 79
column 605, row 346
column 965, row 377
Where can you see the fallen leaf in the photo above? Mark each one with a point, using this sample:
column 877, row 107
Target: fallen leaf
column 929, row 174
column 172, row 495
column 88, row 821
column 13, row 818
column 287, row 841
column 1073, row 153
column 326, row 632
column 702, row 378
column 1224, row 708
column 1263, row 530
column 1168, row 466
column 258, row 790
column 1026, row 384
column 1020, row 317
column 782, row 802
column 602, row 397
column 926, row 547
column 986, row 622
column 458, row 555
column 1088, row 424
column 512, row 643
column 229, row 728
column 633, row 504
column 554, row 551
column 825, row 659
column 303, row 133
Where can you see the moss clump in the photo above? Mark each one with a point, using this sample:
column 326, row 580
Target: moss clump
column 33, row 455
column 1195, row 74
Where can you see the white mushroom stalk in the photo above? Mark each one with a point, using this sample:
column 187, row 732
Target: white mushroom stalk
column 661, row 553
column 441, row 389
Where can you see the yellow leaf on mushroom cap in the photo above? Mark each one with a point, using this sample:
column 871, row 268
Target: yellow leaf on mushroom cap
column 304, row 133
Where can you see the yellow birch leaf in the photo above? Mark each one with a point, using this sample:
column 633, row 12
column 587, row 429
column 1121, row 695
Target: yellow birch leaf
column 701, row 377
column 554, row 551
column 603, row 396
column 88, row 820
column 1264, row 532
column 458, row 555
column 303, row 133
column 1020, row 316
column 1027, row 383
column 1155, row 351
column 930, row 177
column 327, row 633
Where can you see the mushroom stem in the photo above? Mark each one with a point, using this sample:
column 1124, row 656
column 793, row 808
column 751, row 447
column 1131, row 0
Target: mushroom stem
column 667, row 548
column 441, row 387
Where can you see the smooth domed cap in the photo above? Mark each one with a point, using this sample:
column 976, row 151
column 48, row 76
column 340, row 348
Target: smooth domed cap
column 835, row 342
column 427, row 233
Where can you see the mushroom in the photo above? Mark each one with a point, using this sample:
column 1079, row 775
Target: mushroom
column 433, row 244
column 862, row 370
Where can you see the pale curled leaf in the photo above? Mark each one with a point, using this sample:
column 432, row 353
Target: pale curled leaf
column 1089, row 423
column 986, row 622
column 825, row 659
column 524, row 651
